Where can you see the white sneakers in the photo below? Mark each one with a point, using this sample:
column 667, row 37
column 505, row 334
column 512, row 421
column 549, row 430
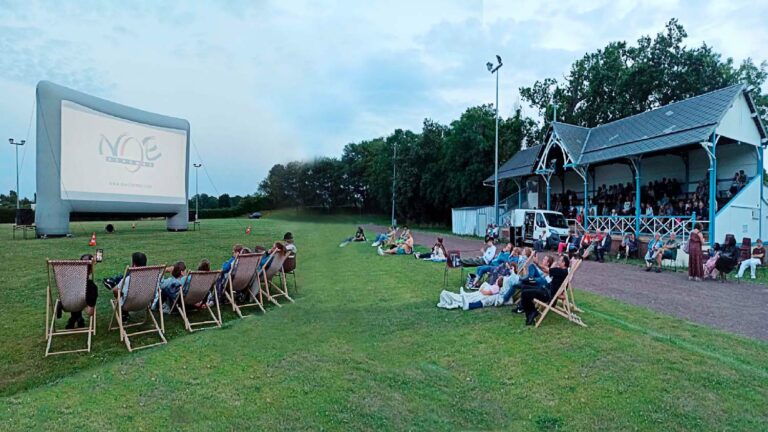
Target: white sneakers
column 380, row 251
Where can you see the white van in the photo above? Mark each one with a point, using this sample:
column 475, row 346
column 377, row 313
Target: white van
column 527, row 225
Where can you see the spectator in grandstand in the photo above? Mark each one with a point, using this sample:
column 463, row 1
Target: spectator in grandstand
column 654, row 249
column 756, row 259
column 437, row 254
column 488, row 253
column 695, row 255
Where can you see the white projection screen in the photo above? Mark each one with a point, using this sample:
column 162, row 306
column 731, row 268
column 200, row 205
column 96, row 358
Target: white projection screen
column 126, row 161
column 97, row 156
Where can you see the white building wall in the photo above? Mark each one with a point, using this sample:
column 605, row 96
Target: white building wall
column 471, row 220
column 737, row 123
column 741, row 216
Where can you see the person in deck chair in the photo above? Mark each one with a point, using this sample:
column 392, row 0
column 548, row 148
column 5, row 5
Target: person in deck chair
column 668, row 251
column 488, row 253
column 91, row 294
column 758, row 253
column 557, row 274
column 500, row 260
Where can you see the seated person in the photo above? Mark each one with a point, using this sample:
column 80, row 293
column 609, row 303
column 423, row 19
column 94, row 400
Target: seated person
column 603, row 247
column 668, row 250
column 169, row 287
column 729, row 253
column 628, row 246
column 488, row 295
column 438, row 253
column 586, row 247
column 500, row 260
column 544, row 292
column 291, row 247
column 358, row 237
column 266, row 261
column 226, row 268
column 138, row 259
column 756, row 259
column 540, row 243
column 404, row 235
column 561, row 246
column 91, row 294
column 404, row 248
column 654, row 249
column 488, row 253
column 382, row 238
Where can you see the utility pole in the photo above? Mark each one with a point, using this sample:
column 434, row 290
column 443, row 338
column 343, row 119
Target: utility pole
column 197, row 193
column 494, row 70
column 394, row 176
column 18, row 195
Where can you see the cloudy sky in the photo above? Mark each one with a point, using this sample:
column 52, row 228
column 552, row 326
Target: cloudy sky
column 264, row 82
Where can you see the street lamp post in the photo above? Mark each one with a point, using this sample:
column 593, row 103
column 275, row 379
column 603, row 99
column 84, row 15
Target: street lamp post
column 394, row 176
column 494, row 70
column 197, row 193
column 18, row 195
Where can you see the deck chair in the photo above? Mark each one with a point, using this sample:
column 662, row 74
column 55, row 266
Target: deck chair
column 274, row 267
column 243, row 277
column 526, row 263
column 198, row 285
column 563, row 302
column 289, row 267
column 70, row 278
column 143, row 286
column 453, row 262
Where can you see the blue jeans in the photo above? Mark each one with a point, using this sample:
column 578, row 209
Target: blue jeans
column 381, row 238
column 482, row 270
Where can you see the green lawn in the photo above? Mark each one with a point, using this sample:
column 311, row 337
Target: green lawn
column 363, row 347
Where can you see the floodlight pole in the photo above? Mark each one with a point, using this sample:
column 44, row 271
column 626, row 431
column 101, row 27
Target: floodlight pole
column 17, row 144
column 495, row 70
column 197, row 193
column 394, row 176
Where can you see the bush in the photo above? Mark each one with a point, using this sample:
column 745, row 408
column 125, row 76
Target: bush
column 7, row 215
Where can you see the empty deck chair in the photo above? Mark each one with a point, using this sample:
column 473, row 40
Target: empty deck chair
column 274, row 267
column 563, row 302
column 143, row 285
column 70, row 278
column 198, row 286
column 244, row 278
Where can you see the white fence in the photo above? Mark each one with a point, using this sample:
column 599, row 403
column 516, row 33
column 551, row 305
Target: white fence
column 664, row 225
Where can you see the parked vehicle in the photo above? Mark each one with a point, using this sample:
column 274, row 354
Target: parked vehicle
column 527, row 225
column 254, row 215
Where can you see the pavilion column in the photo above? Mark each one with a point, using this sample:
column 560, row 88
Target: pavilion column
column 636, row 166
column 586, row 197
column 549, row 192
column 712, row 190
column 760, row 161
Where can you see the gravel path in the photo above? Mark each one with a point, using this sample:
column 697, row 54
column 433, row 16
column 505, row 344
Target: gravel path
column 736, row 308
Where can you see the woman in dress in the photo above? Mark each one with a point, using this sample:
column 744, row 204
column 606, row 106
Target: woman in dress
column 695, row 257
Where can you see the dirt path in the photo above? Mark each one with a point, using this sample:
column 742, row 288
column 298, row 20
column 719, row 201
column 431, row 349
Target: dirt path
column 736, row 308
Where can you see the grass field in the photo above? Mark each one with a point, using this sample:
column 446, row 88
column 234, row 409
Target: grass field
column 363, row 348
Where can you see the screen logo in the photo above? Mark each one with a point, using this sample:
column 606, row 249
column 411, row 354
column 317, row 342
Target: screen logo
column 127, row 150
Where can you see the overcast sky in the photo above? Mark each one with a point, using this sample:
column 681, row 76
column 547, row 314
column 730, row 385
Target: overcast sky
column 265, row 82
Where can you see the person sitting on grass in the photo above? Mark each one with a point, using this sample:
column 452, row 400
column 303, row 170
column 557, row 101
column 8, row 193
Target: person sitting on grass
column 358, row 237
column 654, row 249
column 438, row 253
column 558, row 271
column 482, row 270
column 668, row 251
column 138, row 259
column 404, row 248
column 383, row 238
column 488, row 252
column 756, row 259
column 91, row 294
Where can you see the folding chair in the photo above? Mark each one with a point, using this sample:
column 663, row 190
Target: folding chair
column 70, row 278
column 243, row 277
column 289, row 267
column 143, row 286
column 525, row 265
column 198, row 285
column 274, row 267
column 567, row 305
column 453, row 262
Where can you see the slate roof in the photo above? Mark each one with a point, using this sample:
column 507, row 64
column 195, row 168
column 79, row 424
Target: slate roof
column 521, row 164
column 675, row 125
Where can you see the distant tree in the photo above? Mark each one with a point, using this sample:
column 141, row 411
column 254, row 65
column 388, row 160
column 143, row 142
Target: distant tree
column 225, row 201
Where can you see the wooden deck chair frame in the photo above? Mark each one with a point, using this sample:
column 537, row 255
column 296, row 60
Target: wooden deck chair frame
column 247, row 279
column 155, row 273
column 50, row 306
column 197, row 284
column 563, row 302
column 271, row 269
column 524, row 267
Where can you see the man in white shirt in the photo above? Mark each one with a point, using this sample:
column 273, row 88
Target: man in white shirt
column 288, row 240
column 489, row 252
